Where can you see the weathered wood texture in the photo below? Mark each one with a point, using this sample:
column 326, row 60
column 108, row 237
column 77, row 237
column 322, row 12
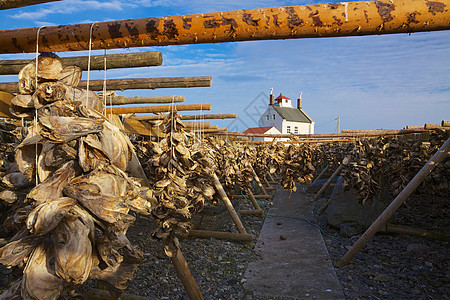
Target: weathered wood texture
column 331, row 135
column 445, row 123
column 113, row 61
column 385, row 216
column 8, row 4
column 122, row 100
column 5, row 104
column 209, row 130
column 319, row 20
column 131, row 83
column 159, row 108
column 187, row 117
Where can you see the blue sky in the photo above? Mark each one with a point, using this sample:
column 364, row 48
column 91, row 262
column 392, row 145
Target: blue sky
column 371, row 82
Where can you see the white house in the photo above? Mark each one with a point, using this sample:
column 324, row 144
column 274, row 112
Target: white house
column 262, row 130
column 281, row 115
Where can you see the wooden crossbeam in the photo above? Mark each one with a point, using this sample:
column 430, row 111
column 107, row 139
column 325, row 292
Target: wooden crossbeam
column 305, row 21
column 122, row 100
column 8, row 4
column 187, row 117
column 113, row 61
column 159, row 108
column 131, row 83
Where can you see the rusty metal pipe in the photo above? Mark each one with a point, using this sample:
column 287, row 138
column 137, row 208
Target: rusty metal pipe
column 159, row 108
column 306, row 21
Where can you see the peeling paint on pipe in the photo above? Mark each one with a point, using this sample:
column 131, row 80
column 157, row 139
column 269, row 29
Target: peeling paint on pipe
column 306, row 21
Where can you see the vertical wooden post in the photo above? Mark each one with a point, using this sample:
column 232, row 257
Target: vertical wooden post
column 396, row 203
column 263, row 190
column 338, row 170
column 228, row 205
column 185, row 275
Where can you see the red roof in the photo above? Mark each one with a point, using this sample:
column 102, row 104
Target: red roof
column 282, row 97
column 258, row 130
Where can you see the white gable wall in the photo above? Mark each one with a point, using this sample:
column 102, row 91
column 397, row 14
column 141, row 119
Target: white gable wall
column 275, row 122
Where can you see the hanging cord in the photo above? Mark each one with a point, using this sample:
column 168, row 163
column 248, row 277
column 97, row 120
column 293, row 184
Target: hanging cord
column 35, row 109
column 104, row 84
column 171, row 138
column 89, row 60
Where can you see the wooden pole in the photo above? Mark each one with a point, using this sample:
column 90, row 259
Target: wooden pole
column 378, row 224
column 255, row 196
column 321, row 173
column 113, row 61
column 8, row 4
column 187, row 117
column 122, row 100
column 328, row 135
column 211, row 131
column 159, row 108
column 197, row 124
column 228, row 205
column 306, row 21
column 445, row 123
column 249, row 193
column 271, row 177
column 336, row 173
column 97, row 294
column 258, row 182
column 185, row 275
column 221, row 235
column 267, row 183
column 131, row 83
column 433, row 126
column 394, row 228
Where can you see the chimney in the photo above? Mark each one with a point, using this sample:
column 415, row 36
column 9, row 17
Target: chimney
column 299, row 101
column 271, row 98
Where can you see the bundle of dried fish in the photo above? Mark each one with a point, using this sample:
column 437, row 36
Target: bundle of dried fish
column 297, row 166
column 75, row 222
column 180, row 183
column 269, row 158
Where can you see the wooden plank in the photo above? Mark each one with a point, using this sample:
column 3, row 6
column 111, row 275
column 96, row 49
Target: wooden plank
column 142, row 128
column 131, row 83
column 113, row 61
column 8, row 4
column 305, row 21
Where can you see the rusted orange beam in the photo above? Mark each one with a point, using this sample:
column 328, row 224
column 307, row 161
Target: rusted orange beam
column 159, row 108
column 7, row 4
column 306, row 21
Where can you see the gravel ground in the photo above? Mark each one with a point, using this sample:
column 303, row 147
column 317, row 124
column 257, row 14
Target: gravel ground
column 389, row 267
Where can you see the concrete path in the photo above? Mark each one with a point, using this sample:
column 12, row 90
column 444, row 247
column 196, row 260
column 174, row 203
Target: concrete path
column 293, row 260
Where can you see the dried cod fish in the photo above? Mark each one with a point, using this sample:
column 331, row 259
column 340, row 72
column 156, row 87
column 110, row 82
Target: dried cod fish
column 46, row 216
column 64, row 129
column 39, row 278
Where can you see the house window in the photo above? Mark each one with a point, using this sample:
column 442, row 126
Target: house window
column 288, row 129
column 274, row 116
column 296, row 129
column 267, row 117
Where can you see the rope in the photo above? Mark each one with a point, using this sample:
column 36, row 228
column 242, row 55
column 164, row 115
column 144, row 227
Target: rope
column 89, row 60
column 35, row 109
column 104, row 84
